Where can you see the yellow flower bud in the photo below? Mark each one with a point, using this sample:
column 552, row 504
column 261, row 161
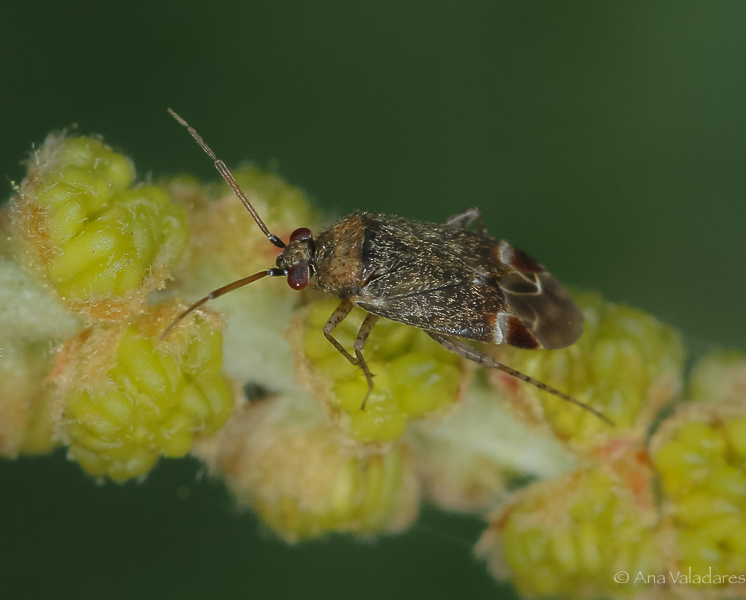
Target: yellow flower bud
column 129, row 396
column 627, row 365
column 280, row 457
column 700, row 456
column 414, row 376
column 568, row 537
column 102, row 245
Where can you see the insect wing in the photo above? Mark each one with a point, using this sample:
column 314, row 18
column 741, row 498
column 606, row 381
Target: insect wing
column 541, row 302
column 463, row 309
column 544, row 307
column 461, row 283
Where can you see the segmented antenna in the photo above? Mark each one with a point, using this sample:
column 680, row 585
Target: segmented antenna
column 274, row 272
column 230, row 180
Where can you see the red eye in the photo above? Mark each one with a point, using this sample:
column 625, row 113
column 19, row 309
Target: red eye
column 301, row 234
column 298, row 275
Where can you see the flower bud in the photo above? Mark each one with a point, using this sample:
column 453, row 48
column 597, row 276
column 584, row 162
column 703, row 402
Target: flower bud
column 100, row 244
column 700, row 456
column 414, row 376
column 280, row 457
column 569, row 536
column 627, row 365
column 128, row 396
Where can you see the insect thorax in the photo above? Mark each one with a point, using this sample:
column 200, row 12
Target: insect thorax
column 339, row 256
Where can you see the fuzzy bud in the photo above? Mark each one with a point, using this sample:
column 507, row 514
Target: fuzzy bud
column 100, row 244
column 127, row 396
column 280, row 457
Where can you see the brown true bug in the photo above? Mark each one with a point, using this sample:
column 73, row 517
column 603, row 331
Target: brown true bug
column 445, row 279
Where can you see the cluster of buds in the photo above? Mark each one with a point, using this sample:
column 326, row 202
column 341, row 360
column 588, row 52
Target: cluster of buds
column 700, row 454
column 90, row 369
column 627, row 365
column 567, row 537
column 129, row 396
column 414, row 376
column 100, row 244
column 261, row 396
column 285, row 460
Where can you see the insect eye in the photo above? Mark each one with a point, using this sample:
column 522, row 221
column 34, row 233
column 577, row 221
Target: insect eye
column 301, row 234
column 298, row 276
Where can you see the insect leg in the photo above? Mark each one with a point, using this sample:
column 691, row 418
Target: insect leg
column 471, row 353
column 362, row 337
column 464, row 219
column 339, row 315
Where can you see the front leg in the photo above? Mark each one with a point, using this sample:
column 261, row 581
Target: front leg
column 339, row 315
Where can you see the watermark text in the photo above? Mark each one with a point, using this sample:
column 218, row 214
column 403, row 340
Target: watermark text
column 679, row 578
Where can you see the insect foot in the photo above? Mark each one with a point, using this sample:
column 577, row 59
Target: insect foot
column 627, row 365
column 101, row 244
column 126, row 397
column 414, row 375
column 282, row 458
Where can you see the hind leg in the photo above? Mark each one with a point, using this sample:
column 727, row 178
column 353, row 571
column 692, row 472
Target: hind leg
column 463, row 220
column 469, row 352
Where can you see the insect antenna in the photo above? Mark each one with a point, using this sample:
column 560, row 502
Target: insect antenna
column 230, row 180
column 219, row 292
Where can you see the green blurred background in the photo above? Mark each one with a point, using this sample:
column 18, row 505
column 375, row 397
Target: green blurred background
column 606, row 139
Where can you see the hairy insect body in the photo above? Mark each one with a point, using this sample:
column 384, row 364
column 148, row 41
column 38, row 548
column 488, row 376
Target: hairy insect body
column 339, row 264
column 450, row 281
column 441, row 278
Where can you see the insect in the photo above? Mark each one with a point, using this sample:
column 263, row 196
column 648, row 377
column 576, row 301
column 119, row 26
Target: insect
column 450, row 281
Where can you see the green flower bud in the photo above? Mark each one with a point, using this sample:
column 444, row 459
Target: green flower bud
column 568, row 537
column 280, row 457
column 414, row 376
column 129, row 396
column 101, row 245
column 700, row 456
column 627, row 365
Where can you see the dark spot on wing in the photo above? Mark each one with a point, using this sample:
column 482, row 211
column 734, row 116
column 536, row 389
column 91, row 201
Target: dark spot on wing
column 519, row 336
column 524, row 263
column 549, row 312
